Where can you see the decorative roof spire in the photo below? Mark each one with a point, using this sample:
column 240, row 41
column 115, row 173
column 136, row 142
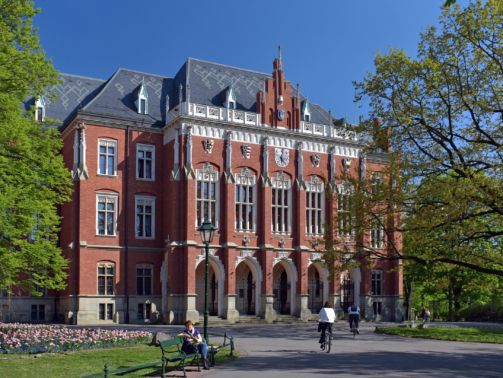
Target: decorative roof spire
column 298, row 97
column 280, row 66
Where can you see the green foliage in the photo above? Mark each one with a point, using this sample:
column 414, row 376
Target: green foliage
column 441, row 189
column 33, row 179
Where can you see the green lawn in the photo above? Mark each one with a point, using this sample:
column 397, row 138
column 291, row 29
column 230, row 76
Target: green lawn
column 78, row 364
column 453, row 334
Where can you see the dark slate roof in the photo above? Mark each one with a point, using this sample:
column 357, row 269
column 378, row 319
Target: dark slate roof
column 208, row 80
column 117, row 97
column 75, row 91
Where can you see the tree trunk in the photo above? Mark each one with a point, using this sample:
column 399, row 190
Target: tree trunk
column 451, row 314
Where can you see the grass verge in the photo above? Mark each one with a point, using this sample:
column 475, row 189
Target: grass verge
column 78, row 364
column 452, row 334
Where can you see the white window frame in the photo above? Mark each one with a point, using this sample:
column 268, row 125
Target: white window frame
column 207, row 174
column 377, row 234
column 343, row 190
column 245, row 179
column 281, row 182
column 376, row 182
column 107, row 143
column 40, row 104
column 378, row 281
column 145, row 266
column 144, row 201
column 105, row 265
column 142, row 95
column 107, row 198
column 145, row 148
column 315, row 186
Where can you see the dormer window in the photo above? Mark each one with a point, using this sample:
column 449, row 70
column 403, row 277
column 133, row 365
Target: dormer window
column 40, row 110
column 230, row 98
column 141, row 100
column 306, row 110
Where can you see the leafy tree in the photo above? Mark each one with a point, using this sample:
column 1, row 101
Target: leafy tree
column 443, row 113
column 33, row 179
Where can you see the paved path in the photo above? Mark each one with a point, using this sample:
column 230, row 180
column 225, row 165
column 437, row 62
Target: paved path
column 293, row 351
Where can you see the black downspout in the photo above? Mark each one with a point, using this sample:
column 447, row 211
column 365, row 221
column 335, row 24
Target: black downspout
column 127, row 225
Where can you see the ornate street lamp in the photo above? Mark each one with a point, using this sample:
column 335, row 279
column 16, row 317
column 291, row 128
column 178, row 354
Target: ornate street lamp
column 207, row 232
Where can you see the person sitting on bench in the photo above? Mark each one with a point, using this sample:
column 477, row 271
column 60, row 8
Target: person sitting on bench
column 193, row 342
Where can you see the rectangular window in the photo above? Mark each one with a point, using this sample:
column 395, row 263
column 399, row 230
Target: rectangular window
column 41, row 312
column 144, row 279
column 148, row 308
column 37, row 312
column 376, row 187
column 143, row 107
column 40, row 114
column 145, row 216
column 245, row 201
column 145, row 161
column 106, row 214
column 110, row 311
column 140, row 311
column 33, row 312
column 376, row 282
column 280, row 210
column 377, row 308
column 206, row 202
column 107, row 157
column 345, row 220
column 377, row 234
column 314, row 212
column 101, row 314
column 106, row 279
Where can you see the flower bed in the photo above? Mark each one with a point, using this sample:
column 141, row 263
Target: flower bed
column 20, row 338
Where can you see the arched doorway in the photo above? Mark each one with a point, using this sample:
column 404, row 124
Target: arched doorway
column 315, row 290
column 347, row 291
column 246, row 290
column 212, row 290
column 281, row 290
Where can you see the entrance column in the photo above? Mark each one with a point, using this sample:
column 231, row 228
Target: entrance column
column 267, row 299
column 302, row 260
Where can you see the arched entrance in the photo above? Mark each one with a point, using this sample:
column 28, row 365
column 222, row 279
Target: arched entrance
column 212, row 290
column 347, row 291
column 315, row 289
column 246, row 290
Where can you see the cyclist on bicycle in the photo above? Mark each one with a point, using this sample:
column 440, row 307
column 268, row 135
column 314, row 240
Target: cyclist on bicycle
column 354, row 315
column 326, row 318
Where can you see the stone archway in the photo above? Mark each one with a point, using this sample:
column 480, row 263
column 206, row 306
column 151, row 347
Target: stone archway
column 216, row 280
column 285, row 265
column 254, row 266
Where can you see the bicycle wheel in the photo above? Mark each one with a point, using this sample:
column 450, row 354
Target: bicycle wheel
column 328, row 342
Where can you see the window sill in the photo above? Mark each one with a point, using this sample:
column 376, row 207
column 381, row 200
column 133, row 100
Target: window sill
column 246, row 231
column 145, row 237
column 106, row 236
column 145, row 179
column 111, row 176
column 287, row 233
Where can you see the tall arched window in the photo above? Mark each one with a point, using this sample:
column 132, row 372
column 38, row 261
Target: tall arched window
column 271, row 116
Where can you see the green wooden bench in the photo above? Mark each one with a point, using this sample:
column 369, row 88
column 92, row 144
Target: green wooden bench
column 180, row 356
column 213, row 349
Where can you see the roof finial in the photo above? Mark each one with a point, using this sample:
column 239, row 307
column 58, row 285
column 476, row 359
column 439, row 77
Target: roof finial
column 279, row 55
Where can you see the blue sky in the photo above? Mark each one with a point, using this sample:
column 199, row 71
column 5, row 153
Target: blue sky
column 325, row 44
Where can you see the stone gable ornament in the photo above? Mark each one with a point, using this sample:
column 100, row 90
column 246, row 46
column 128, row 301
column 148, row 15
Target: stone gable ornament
column 281, row 114
column 208, row 145
column 282, row 156
column 246, row 148
column 347, row 163
column 316, row 159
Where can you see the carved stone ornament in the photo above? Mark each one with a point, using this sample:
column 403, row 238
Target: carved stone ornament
column 347, row 163
column 208, row 145
column 246, row 148
column 282, row 156
column 316, row 159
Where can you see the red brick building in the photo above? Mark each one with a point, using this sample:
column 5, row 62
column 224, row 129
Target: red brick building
column 152, row 157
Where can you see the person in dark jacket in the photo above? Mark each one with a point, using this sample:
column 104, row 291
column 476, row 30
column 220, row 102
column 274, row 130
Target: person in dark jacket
column 192, row 336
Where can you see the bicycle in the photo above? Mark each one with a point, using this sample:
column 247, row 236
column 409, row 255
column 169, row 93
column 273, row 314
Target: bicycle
column 328, row 340
column 353, row 330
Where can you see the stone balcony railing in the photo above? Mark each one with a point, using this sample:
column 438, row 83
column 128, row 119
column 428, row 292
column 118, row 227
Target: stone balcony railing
column 217, row 113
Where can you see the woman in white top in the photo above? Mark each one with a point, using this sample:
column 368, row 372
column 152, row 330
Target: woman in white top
column 326, row 317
